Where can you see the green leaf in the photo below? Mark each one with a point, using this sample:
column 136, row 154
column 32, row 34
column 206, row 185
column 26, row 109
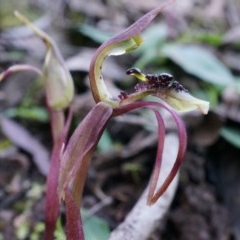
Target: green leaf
column 105, row 143
column 154, row 37
column 34, row 113
column 59, row 231
column 199, row 62
column 232, row 135
column 94, row 227
column 94, row 33
column 212, row 39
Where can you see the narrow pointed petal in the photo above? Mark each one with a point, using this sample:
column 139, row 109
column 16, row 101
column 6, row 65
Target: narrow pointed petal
column 158, row 162
column 78, row 152
column 123, row 42
column 18, row 68
column 182, row 149
column 182, row 145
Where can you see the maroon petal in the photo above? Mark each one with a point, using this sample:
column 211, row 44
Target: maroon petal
column 158, row 162
column 181, row 151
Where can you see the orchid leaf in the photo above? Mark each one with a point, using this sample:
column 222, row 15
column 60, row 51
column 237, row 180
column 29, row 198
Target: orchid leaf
column 199, row 62
column 75, row 162
column 77, row 155
column 123, row 42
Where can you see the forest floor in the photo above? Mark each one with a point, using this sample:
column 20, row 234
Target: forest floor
column 206, row 205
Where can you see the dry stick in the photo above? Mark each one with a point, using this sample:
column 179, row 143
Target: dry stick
column 144, row 219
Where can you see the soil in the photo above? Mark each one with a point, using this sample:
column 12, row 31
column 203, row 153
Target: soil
column 206, row 204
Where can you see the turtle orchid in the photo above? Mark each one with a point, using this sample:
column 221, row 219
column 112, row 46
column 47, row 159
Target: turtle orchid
column 70, row 161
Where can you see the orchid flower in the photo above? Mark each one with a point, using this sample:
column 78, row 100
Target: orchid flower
column 70, row 163
column 77, row 155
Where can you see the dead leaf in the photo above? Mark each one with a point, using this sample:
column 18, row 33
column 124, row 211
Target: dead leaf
column 140, row 5
column 90, row 8
column 23, row 139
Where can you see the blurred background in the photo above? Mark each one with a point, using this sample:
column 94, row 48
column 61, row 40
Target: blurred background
column 198, row 42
